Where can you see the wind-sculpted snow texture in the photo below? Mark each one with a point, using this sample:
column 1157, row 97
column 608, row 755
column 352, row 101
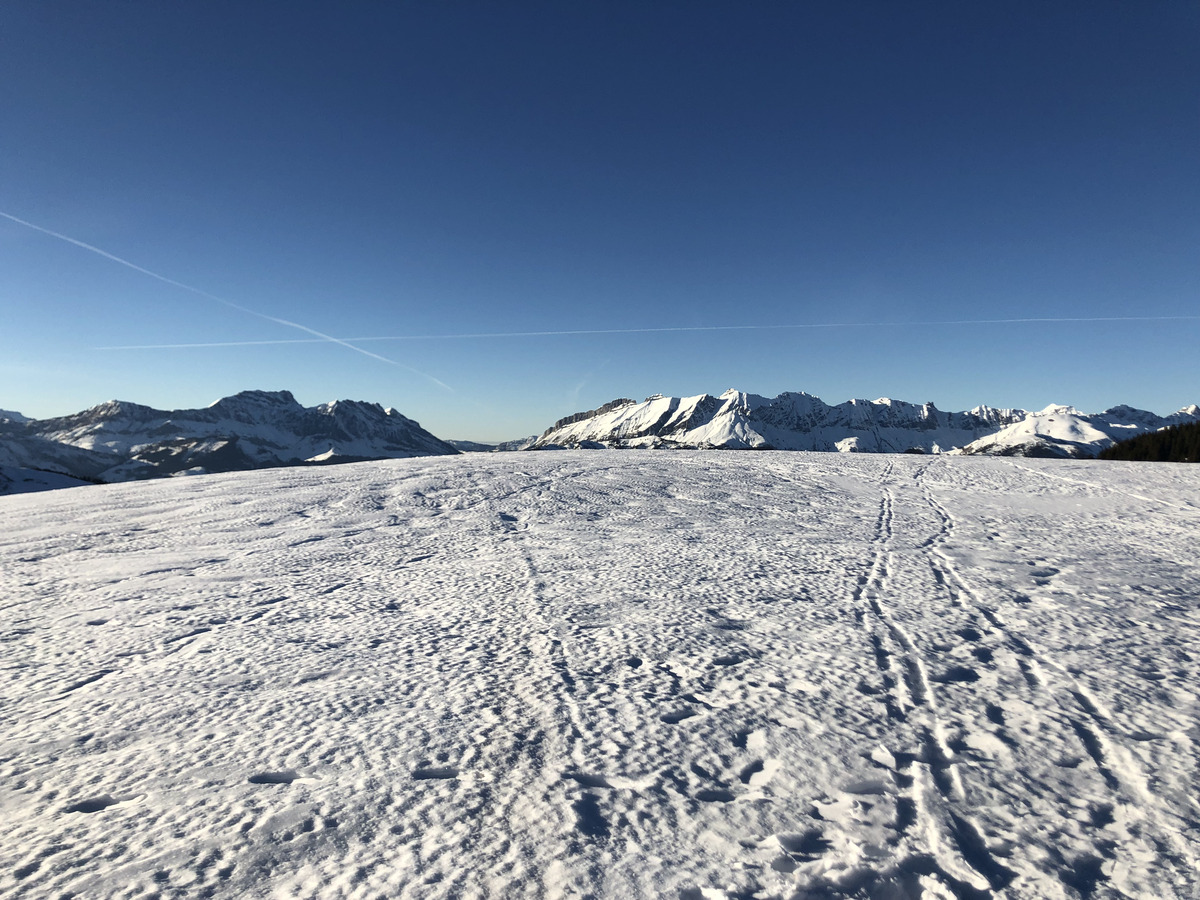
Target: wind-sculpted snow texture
column 614, row 675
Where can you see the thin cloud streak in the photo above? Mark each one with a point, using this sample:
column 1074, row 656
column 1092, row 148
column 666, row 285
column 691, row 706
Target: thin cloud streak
column 674, row 328
column 319, row 337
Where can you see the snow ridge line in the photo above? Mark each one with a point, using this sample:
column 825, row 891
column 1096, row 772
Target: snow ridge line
column 1095, row 729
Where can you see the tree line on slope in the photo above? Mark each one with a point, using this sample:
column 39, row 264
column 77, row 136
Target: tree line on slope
column 1178, row 443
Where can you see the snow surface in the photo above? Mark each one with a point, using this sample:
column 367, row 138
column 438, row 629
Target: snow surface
column 620, row 675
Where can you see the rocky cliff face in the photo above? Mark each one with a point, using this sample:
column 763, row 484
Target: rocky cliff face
column 791, row 421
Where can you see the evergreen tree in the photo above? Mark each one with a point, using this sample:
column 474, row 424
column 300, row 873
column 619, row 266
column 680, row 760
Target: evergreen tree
column 1179, row 443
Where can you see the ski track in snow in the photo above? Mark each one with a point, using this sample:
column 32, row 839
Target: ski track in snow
column 618, row 674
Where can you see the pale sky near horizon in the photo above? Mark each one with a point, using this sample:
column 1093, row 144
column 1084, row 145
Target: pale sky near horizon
column 489, row 216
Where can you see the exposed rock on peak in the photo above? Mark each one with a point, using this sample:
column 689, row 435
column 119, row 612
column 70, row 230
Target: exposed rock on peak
column 800, row 421
column 120, row 441
column 1063, row 431
column 791, row 421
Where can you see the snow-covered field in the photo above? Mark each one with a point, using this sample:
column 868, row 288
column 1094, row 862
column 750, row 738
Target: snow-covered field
column 692, row 674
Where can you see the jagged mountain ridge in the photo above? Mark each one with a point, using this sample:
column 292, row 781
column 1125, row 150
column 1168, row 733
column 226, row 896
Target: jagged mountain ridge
column 790, row 421
column 20, row 449
column 1063, row 431
column 122, row 441
column 800, row 421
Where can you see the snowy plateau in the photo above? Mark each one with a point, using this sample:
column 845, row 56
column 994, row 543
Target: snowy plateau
column 685, row 675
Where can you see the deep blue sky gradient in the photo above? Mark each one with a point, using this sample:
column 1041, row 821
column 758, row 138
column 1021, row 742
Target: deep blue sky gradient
column 414, row 169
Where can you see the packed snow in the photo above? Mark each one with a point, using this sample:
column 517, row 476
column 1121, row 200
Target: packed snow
column 688, row 674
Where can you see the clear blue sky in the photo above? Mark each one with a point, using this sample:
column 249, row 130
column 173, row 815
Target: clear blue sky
column 421, row 169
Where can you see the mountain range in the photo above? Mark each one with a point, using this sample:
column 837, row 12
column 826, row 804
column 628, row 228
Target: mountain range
column 797, row 421
column 122, row 441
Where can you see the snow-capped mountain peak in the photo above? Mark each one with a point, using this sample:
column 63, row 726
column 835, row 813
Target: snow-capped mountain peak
column 262, row 399
column 120, row 441
column 1057, row 409
column 1064, row 431
column 801, row 421
column 791, row 421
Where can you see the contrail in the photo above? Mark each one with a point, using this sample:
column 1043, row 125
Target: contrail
column 674, row 328
column 319, row 337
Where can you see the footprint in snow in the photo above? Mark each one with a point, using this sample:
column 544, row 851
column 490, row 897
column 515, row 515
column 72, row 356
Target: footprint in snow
column 588, row 817
column 715, row 795
column 956, row 674
column 807, row 845
column 95, row 804
column 1042, row 574
column 676, row 717
column 285, row 776
column 435, row 774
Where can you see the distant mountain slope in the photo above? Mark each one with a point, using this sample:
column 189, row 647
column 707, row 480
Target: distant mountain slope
column 20, row 448
column 471, row 446
column 791, row 421
column 1062, row 431
column 519, row 444
column 121, row 441
column 1176, row 443
column 14, row 480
